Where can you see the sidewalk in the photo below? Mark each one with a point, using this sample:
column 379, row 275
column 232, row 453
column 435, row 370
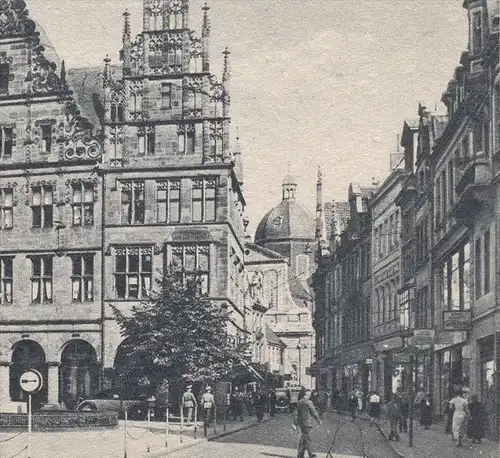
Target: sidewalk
column 435, row 443
column 110, row 442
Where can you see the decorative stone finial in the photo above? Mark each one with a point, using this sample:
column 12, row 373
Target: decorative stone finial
column 205, row 32
column 126, row 24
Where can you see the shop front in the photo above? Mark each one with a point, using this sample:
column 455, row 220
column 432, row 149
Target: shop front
column 354, row 372
column 390, row 368
column 488, row 382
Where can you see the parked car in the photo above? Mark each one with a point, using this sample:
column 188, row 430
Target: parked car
column 282, row 400
column 109, row 401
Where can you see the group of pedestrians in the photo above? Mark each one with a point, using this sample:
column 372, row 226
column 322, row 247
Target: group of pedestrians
column 238, row 401
column 190, row 404
column 465, row 417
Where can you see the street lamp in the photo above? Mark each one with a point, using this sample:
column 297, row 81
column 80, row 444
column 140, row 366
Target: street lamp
column 299, row 348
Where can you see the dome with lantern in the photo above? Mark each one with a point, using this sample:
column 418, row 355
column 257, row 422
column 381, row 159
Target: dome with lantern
column 286, row 221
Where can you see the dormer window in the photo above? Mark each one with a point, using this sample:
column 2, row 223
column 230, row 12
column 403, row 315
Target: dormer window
column 477, row 32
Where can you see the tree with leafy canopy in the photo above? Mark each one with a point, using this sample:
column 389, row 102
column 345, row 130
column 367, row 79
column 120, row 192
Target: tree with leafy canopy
column 179, row 333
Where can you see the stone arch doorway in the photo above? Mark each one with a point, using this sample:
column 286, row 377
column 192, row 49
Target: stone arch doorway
column 131, row 379
column 27, row 354
column 79, row 372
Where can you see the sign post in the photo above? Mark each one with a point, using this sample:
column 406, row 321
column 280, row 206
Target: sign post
column 31, row 382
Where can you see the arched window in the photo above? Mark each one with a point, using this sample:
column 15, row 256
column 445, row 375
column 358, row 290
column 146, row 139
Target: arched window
column 78, row 372
column 27, row 354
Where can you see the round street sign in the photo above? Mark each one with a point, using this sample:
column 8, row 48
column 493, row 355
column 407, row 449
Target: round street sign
column 31, row 381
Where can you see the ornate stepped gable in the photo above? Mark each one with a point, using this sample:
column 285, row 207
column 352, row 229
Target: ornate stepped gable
column 72, row 132
column 14, row 20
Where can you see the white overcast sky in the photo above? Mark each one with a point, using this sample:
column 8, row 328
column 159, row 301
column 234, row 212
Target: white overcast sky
column 314, row 82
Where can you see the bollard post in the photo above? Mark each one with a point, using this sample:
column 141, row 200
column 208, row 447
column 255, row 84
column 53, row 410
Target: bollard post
column 30, row 421
column 147, row 431
column 125, row 435
column 166, row 428
column 410, row 429
column 215, row 418
column 195, row 420
column 182, row 423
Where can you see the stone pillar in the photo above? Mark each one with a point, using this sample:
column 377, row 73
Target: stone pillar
column 4, row 385
column 53, row 383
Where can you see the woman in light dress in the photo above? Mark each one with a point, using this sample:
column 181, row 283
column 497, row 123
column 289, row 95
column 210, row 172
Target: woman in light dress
column 460, row 414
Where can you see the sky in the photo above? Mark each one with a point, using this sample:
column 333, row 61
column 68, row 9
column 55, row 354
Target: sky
column 314, row 82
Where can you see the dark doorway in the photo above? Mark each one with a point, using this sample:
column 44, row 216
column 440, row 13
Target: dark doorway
column 79, row 372
column 27, row 354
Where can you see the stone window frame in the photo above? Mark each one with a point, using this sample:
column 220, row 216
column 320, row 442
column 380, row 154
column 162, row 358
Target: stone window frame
column 43, row 280
column 172, row 190
column 133, row 186
column 6, row 279
column 84, row 278
column 142, row 275
column 206, row 200
column 181, row 251
column 5, row 207
column 44, row 186
column 7, row 144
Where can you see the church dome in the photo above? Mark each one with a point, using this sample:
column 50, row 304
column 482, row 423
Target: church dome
column 286, row 221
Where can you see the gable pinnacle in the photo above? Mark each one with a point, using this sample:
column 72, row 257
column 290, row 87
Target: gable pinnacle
column 206, row 21
column 226, row 53
column 126, row 25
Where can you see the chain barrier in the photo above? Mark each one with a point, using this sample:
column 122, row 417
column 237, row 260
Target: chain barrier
column 10, row 438
column 18, row 453
column 137, row 438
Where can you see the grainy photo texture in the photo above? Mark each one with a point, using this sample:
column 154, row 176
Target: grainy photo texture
column 249, row 228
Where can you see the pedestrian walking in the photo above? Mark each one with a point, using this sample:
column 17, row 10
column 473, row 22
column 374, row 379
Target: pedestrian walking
column 405, row 413
column 352, row 405
column 448, row 415
column 359, row 394
column 394, row 416
column 322, row 403
column 259, row 405
column 272, row 403
column 303, row 415
column 425, row 411
column 477, row 420
column 374, row 406
column 208, row 403
column 236, row 404
column 460, row 413
column 189, row 403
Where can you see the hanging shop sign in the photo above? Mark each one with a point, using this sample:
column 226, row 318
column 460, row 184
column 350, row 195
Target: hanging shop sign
column 423, row 336
column 457, row 320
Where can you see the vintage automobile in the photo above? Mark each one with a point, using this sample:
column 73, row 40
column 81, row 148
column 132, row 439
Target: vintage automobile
column 137, row 409
column 282, row 400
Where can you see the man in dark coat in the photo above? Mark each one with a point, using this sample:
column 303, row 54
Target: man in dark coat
column 304, row 413
column 477, row 421
column 272, row 403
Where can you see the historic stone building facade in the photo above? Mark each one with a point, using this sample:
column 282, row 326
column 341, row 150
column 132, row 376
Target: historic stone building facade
column 284, row 252
column 390, row 316
column 108, row 175
column 342, row 285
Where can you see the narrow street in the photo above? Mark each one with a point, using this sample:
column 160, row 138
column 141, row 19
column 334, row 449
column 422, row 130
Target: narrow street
column 278, row 439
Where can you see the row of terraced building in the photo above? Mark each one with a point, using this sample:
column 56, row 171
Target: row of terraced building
column 414, row 268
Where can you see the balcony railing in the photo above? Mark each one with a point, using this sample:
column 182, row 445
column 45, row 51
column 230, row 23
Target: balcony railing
column 473, row 188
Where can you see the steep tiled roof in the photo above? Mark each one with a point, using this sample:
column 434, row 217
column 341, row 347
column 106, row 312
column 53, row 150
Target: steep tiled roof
column 87, row 86
column 272, row 338
column 255, row 254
